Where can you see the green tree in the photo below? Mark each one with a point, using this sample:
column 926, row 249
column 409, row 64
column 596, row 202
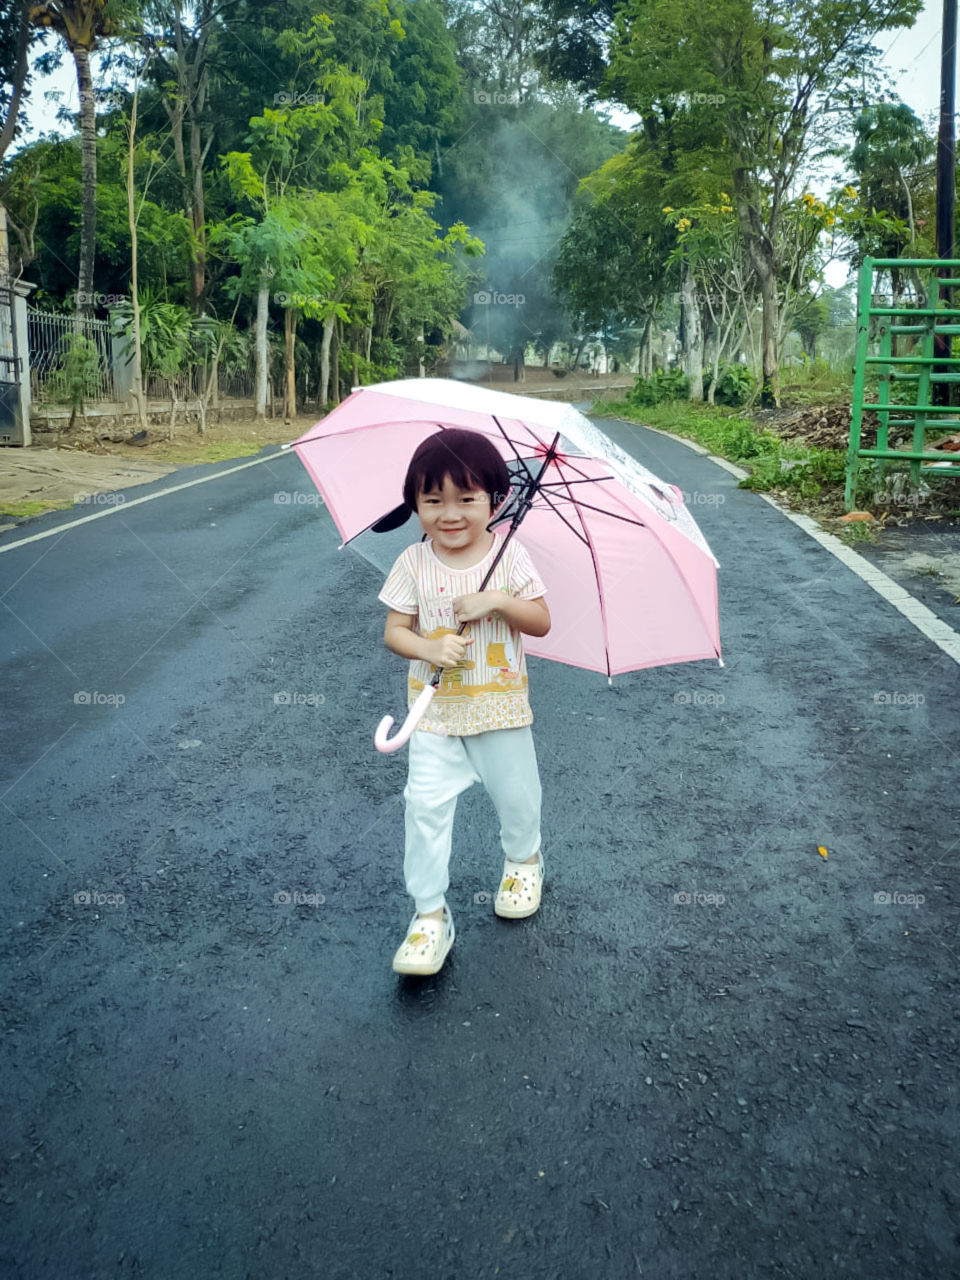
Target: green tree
column 16, row 32
column 892, row 157
column 83, row 25
column 762, row 73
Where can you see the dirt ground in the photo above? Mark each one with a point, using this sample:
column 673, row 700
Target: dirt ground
column 43, row 476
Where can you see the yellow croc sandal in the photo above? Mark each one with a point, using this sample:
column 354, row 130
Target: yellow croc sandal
column 520, row 887
column 426, row 945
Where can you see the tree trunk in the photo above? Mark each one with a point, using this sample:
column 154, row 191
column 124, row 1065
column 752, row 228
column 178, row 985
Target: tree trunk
column 325, row 359
column 187, row 97
column 692, row 335
column 290, row 338
column 260, row 389
column 645, row 354
column 335, row 379
column 770, row 384
column 198, row 155
column 137, row 389
column 88, row 199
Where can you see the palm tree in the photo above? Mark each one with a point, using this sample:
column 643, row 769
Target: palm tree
column 83, row 24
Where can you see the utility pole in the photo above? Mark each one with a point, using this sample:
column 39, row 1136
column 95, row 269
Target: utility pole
column 946, row 247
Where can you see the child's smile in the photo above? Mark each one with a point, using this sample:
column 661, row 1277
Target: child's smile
column 456, row 519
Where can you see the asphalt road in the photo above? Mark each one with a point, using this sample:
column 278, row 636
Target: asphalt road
column 201, row 1081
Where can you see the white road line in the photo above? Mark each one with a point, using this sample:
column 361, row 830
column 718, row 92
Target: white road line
column 125, row 506
column 915, row 612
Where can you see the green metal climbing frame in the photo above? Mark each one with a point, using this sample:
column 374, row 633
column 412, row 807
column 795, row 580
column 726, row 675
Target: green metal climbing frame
column 922, row 322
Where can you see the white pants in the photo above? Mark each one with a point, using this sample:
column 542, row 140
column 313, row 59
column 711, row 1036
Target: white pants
column 505, row 762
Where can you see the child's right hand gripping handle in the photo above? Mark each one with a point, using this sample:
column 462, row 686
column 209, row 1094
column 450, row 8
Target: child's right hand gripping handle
column 380, row 739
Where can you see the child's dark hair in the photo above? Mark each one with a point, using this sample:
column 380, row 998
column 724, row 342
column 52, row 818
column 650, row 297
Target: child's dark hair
column 467, row 457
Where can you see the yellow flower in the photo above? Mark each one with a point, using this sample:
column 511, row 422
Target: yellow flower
column 683, row 224
column 668, row 208
column 851, row 192
column 724, row 197
column 830, row 219
column 726, row 208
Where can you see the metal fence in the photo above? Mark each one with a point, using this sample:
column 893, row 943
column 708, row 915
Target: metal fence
column 232, row 384
column 49, row 336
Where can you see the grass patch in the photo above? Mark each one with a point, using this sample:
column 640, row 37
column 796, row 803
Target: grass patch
column 786, row 467
column 34, row 507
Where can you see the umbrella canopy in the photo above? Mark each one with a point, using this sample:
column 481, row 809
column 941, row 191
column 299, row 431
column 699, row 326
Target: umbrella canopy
column 631, row 580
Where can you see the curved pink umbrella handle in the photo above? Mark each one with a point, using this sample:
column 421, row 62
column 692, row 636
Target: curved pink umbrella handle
column 380, row 739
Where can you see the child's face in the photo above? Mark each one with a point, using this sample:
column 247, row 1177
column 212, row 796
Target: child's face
column 456, row 519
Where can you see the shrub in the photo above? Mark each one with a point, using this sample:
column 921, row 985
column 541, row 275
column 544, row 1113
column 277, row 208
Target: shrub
column 661, row 386
column 735, row 384
column 77, row 380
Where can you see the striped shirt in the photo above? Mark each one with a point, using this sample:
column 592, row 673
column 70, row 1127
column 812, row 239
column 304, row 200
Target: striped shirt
column 488, row 688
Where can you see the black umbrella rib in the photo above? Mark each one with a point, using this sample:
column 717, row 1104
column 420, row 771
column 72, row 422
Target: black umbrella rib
column 557, row 484
column 519, row 459
column 588, row 506
column 576, row 532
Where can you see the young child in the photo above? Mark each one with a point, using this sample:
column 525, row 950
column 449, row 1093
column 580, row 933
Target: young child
column 477, row 728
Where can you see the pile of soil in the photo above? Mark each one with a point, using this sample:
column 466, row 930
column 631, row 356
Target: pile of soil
column 828, row 427
column 822, row 426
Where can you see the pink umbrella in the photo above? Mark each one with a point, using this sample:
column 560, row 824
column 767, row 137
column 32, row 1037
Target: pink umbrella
column 631, row 580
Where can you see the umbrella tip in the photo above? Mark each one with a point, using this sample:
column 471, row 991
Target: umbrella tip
column 719, row 662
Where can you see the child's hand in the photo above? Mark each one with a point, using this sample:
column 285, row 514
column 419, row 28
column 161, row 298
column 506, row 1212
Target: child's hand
column 448, row 650
column 475, row 605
